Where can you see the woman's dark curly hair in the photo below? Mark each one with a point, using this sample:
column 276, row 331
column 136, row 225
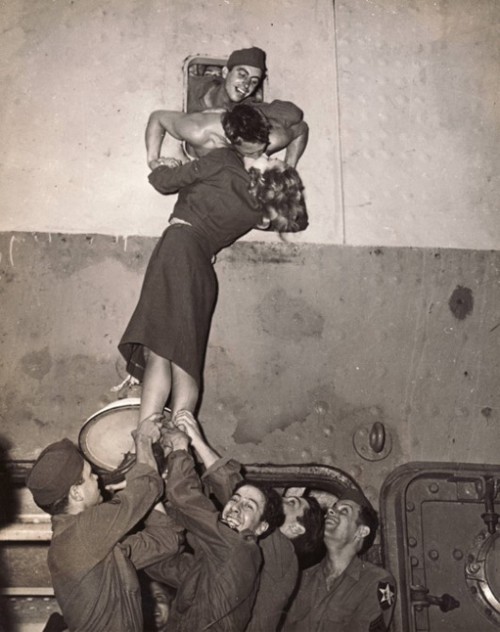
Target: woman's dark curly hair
column 280, row 194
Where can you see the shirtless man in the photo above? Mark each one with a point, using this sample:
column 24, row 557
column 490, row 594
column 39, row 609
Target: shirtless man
column 203, row 131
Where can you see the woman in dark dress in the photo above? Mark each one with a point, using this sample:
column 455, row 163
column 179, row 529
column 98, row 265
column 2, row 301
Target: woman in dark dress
column 219, row 200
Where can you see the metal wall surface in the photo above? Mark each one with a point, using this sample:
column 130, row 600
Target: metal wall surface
column 441, row 543
column 309, row 347
column 400, row 97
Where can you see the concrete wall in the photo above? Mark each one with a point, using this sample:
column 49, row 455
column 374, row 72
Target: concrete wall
column 386, row 309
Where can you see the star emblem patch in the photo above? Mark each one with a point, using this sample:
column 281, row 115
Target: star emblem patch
column 385, row 594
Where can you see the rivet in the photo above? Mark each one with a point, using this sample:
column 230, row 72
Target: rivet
column 433, row 554
column 458, row 554
column 414, row 561
column 412, row 542
column 433, row 488
column 410, row 506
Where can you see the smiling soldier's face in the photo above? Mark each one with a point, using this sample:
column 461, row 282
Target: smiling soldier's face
column 244, row 510
column 241, row 81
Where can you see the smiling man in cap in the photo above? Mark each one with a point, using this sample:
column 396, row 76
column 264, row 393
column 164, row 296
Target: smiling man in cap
column 297, row 537
column 92, row 559
column 200, row 127
column 241, row 76
column 217, row 582
column 343, row 592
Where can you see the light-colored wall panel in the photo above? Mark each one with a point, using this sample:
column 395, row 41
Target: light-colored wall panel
column 82, row 78
column 420, row 122
column 416, row 96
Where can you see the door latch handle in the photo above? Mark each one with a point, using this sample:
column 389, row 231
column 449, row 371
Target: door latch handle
column 377, row 437
column 420, row 598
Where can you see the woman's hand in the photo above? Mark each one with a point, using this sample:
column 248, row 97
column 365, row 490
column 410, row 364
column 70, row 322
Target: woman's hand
column 171, row 163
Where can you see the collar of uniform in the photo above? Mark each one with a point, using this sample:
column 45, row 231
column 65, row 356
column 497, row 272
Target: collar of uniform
column 353, row 569
column 60, row 522
column 248, row 535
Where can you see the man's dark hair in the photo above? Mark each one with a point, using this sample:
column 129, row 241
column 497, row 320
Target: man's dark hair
column 368, row 516
column 273, row 512
column 313, row 521
column 59, row 506
column 245, row 123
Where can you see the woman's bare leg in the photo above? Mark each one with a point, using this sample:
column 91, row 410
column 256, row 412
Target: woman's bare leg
column 156, row 385
column 185, row 390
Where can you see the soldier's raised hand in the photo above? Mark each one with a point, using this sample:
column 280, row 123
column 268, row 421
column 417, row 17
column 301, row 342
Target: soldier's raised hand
column 185, row 421
column 149, row 427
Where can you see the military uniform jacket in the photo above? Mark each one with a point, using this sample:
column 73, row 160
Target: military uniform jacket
column 279, row 574
column 93, row 565
column 360, row 600
column 216, row 585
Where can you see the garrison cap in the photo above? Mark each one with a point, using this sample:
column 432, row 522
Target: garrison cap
column 57, row 468
column 248, row 57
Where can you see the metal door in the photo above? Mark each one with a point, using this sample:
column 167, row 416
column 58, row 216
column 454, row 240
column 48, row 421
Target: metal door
column 440, row 540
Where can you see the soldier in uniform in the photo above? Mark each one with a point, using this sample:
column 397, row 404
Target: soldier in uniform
column 343, row 592
column 299, row 535
column 216, row 583
column 200, row 128
column 240, row 78
column 93, row 557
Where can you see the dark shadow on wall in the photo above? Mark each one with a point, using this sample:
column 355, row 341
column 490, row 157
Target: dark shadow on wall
column 9, row 508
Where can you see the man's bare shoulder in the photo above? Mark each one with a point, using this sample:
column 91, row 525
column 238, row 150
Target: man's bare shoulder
column 285, row 113
column 204, row 129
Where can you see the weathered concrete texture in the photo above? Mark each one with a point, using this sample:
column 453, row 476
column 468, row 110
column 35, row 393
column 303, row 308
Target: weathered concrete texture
column 308, row 345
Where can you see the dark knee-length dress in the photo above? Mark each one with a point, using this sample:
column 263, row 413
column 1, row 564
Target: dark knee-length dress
column 173, row 315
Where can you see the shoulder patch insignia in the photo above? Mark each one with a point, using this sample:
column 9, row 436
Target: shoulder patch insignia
column 385, row 595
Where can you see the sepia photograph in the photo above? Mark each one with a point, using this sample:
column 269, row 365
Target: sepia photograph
column 249, row 316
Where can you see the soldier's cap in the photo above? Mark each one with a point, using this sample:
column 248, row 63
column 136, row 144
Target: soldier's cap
column 254, row 56
column 57, row 468
column 357, row 496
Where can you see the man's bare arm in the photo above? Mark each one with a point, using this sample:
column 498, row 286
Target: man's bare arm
column 188, row 424
column 161, row 122
column 201, row 130
column 297, row 146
